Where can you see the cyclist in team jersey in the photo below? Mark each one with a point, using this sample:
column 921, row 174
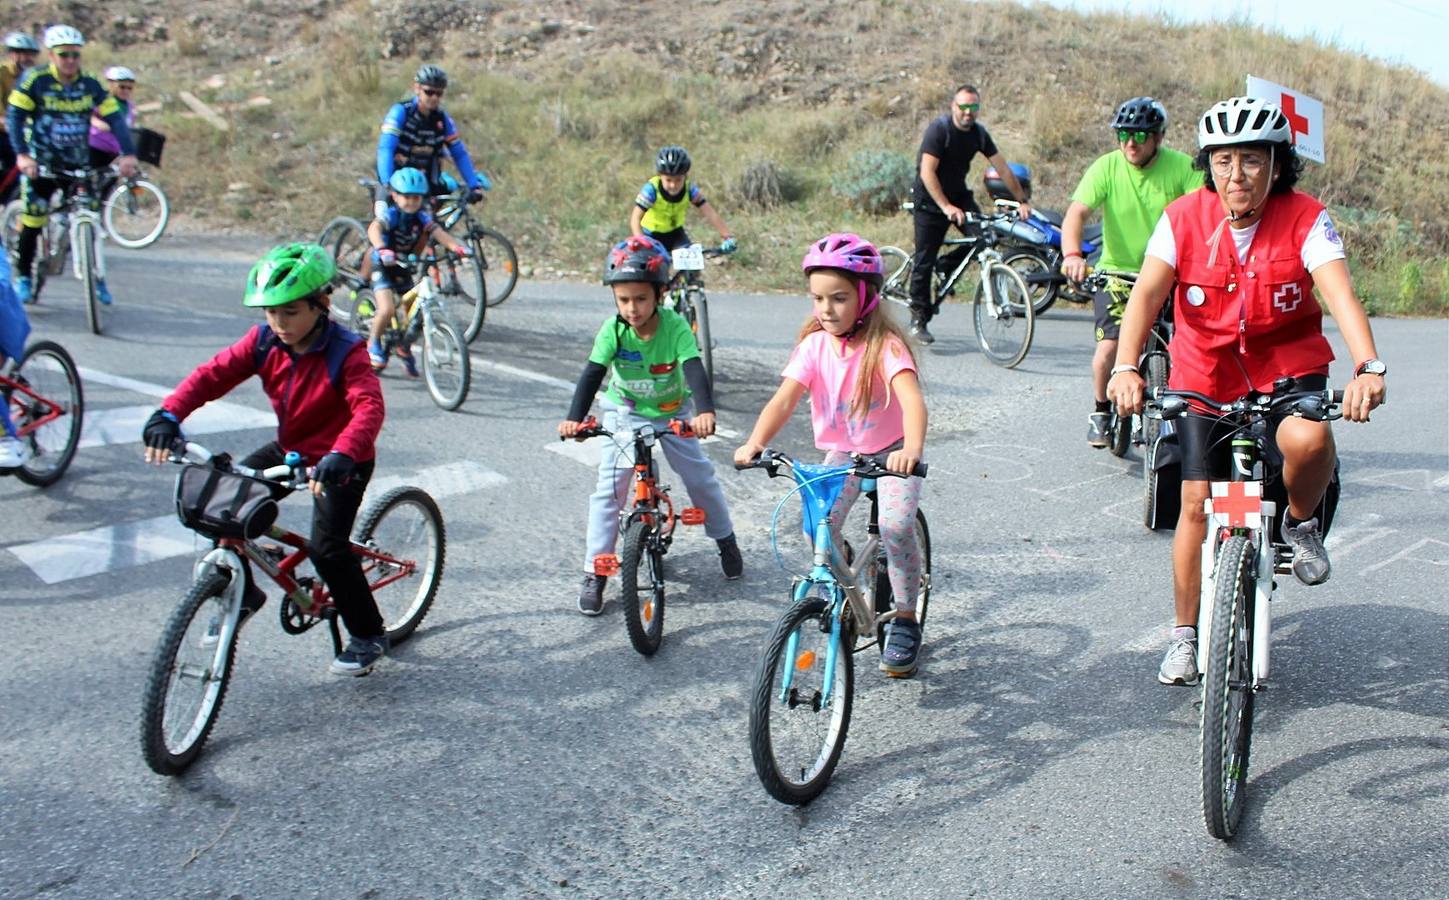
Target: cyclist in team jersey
column 664, row 200
column 21, row 50
column 104, row 146
column 1246, row 252
column 1131, row 185
column 49, row 119
column 415, row 133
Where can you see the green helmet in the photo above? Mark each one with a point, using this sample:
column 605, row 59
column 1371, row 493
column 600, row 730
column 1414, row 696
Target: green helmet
column 289, row 272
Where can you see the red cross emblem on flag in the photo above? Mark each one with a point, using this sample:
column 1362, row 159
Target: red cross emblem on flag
column 1237, row 504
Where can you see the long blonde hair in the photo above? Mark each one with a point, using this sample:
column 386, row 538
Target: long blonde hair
column 874, row 332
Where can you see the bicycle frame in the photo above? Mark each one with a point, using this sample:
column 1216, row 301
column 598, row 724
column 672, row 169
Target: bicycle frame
column 9, row 386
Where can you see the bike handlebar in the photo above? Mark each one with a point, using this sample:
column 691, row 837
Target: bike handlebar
column 292, row 476
column 590, row 427
column 862, row 466
column 1317, row 406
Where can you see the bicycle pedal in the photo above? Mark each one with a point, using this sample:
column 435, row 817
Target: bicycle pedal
column 606, row 564
column 692, row 515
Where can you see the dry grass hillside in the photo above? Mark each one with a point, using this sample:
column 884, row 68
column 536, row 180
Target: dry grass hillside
column 563, row 103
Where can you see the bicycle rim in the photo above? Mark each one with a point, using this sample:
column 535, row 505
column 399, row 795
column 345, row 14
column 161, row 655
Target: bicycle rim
column 1227, row 706
column 796, row 736
column 641, row 587
column 135, row 215
column 501, row 263
column 1037, row 272
column 406, row 526
column 1004, row 319
column 446, row 365
column 897, row 268
column 47, row 371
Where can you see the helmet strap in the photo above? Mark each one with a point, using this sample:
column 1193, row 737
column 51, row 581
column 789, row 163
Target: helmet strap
column 863, row 309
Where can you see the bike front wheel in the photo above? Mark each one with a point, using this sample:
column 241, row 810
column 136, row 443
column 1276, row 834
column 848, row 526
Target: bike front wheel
column 466, row 290
column 1227, row 697
column 47, row 408
column 896, row 265
column 1119, row 434
column 641, row 586
column 189, row 674
column 402, row 545
column 702, row 336
column 498, row 256
column 796, row 732
column 1155, row 371
column 1004, row 317
column 85, row 235
column 135, row 213
column 446, row 367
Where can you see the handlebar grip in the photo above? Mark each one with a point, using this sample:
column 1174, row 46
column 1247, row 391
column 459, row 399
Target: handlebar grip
column 920, row 470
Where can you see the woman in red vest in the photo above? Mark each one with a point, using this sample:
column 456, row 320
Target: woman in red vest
column 1246, row 252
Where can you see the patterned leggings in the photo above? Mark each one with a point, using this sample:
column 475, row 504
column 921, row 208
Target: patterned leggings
column 898, row 499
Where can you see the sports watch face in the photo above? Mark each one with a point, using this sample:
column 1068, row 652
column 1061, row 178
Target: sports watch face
column 1373, row 367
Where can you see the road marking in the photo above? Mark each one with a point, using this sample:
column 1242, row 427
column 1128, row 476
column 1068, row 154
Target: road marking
column 122, row 424
column 588, row 452
column 1407, row 555
column 110, row 548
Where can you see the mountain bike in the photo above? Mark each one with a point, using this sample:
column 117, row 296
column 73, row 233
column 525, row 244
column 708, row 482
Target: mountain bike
column 399, row 539
column 647, row 526
column 1241, row 558
column 494, row 252
column 1154, row 365
column 135, row 211
column 685, row 295
column 1002, row 312
column 421, row 313
column 74, row 223
column 42, row 395
column 801, row 699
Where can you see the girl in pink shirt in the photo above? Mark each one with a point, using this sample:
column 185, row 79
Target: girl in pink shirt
column 857, row 365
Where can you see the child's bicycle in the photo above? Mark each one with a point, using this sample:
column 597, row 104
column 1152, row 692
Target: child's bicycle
column 446, row 367
column 801, row 699
column 1241, row 558
column 42, row 396
column 1003, row 314
column 399, row 537
column 74, row 224
column 647, row 528
column 685, row 295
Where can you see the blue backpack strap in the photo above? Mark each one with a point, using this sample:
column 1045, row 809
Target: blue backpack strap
column 338, row 343
column 266, row 340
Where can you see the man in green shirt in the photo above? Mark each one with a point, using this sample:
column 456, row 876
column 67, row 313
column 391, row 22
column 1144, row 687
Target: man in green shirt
column 1131, row 185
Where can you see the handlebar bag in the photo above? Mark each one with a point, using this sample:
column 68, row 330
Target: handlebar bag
column 222, row 504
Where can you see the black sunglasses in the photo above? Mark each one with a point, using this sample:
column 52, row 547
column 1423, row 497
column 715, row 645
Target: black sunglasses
column 432, row 93
column 69, row 54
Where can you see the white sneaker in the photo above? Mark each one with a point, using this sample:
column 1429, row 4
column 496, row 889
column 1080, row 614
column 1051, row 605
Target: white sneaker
column 14, row 452
column 1310, row 560
column 1179, row 666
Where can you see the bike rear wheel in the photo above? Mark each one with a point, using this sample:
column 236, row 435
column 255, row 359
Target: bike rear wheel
column 500, row 260
column 1040, row 280
column 346, row 239
column 796, row 736
column 446, row 366
column 1004, row 317
column 885, row 598
column 135, row 214
column 1227, row 699
column 189, row 675
column 51, row 388
column 641, row 586
column 405, row 526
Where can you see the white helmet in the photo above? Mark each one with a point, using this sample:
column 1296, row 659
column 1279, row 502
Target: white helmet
column 1243, row 120
column 19, row 40
column 120, row 73
column 63, row 36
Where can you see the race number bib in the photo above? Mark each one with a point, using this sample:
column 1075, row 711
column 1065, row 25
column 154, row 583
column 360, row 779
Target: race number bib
column 689, row 259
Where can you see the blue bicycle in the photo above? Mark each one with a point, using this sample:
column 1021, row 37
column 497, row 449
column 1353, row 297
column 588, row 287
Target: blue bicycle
column 801, row 699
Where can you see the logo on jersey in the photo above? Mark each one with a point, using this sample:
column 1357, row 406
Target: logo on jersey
column 1331, row 234
column 630, row 355
column 1287, row 297
column 661, row 368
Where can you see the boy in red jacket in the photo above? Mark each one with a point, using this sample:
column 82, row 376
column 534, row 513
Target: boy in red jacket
column 329, row 409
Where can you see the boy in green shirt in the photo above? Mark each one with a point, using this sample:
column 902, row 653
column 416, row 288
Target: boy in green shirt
column 1131, row 185
column 657, row 376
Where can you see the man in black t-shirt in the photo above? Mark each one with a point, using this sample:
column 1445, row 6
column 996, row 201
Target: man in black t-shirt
column 941, row 196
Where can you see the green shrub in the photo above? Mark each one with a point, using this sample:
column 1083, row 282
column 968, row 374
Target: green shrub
column 876, row 181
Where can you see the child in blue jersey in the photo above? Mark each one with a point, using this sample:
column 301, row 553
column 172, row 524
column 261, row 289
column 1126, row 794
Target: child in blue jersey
column 665, row 199
column 403, row 228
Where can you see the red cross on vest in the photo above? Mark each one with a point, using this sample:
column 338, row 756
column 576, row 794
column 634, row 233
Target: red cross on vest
column 1237, row 504
column 1297, row 122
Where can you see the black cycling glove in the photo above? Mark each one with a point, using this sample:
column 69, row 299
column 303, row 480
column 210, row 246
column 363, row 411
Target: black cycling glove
column 475, row 196
column 161, row 431
column 334, row 470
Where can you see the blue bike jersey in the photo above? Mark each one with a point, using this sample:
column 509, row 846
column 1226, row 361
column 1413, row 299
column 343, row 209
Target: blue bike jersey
column 404, row 232
column 414, row 139
column 51, row 120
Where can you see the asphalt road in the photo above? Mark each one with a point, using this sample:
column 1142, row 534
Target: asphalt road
column 516, row 748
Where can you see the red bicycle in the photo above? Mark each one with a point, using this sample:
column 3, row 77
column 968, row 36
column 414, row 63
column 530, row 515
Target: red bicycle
column 399, row 537
column 42, row 396
column 647, row 526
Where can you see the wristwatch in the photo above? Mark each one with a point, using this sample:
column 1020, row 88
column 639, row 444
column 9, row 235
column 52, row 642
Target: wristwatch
column 1370, row 367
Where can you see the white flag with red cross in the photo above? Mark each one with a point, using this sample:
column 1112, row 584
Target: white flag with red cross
column 1305, row 115
column 1237, row 504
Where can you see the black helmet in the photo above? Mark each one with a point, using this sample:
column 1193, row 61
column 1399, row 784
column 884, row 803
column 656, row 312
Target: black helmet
column 672, row 160
column 432, row 76
column 637, row 259
column 1141, row 114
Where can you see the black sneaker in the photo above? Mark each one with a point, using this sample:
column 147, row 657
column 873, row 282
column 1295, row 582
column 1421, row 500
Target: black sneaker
column 1097, row 425
column 920, row 333
column 252, row 600
column 591, row 595
column 360, row 655
column 902, row 646
column 729, row 557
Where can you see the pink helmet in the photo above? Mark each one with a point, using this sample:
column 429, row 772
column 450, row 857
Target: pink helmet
column 854, row 254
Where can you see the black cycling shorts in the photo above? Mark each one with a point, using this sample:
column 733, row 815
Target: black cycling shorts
column 1206, row 441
